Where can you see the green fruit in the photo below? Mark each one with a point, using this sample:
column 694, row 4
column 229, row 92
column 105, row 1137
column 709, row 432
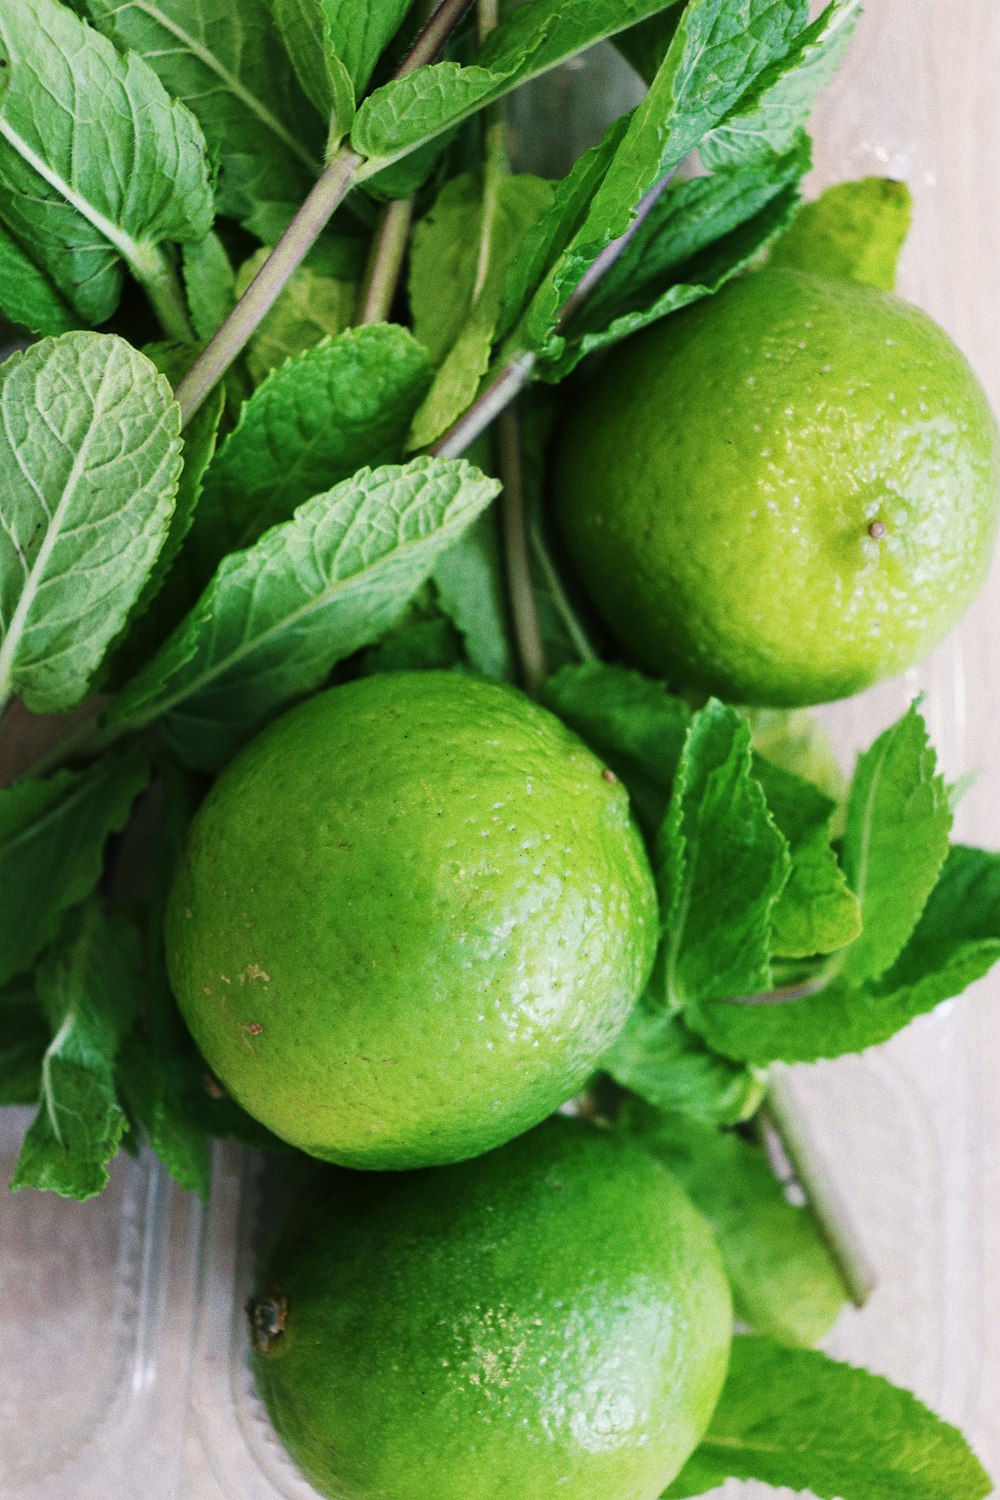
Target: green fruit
column 550, row 1322
column 409, row 920
column 784, row 493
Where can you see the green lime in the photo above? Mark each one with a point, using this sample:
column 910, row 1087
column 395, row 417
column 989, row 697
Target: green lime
column 784, row 493
column 550, row 1321
column 409, row 920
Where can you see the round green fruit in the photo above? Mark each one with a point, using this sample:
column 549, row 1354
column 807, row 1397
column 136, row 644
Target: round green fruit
column 410, row 918
column 550, row 1321
column 784, row 493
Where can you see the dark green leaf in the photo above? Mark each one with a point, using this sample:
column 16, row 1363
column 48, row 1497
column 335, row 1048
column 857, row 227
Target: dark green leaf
column 314, row 305
column 645, row 46
column 855, row 230
column 312, row 423
column 469, row 583
column 276, row 618
column 783, row 1280
column 658, row 1058
column 898, row 819
column 722, row 866
column 24, row 1036
column 794, row 1419
column 52, row 837
column 88, row 986
column 90, row 458
column 418, row 645
column 210, row 284
column 83, row 189
column 28, row 295
column 632, row 722
column 221, row 58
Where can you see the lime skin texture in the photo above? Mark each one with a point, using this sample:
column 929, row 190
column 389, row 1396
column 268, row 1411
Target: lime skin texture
column 409, row 920
column 550, row 1321
column 784, row 493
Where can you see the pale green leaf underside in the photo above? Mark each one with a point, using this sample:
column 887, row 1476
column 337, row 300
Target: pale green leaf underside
column 97, row 163
column 52, row 838
column 401, row 114
column 88, row 987
column 276, row 618
column 224, row 59
column 90, row 457
column 794, row 1418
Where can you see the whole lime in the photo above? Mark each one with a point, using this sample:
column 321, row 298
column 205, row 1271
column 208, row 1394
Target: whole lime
column 783, row 493
column 550, row 1321
column 409, row 919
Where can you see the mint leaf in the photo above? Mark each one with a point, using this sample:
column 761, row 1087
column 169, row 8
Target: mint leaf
column 795, row 740
column 700, row 234
column 816, row 912
column 24, row 1037
column 82, row 190
column 305, row 27
column 716, row 55
column 312, row 307
column 27, row 294
column 210, row 285
column 52, row 837
column 530, row 40
column 417, row 645
column 793, row 1418
column 490, row 223
column 855, row 231
column 90, row 458
column 772, row 114
column 88, row 985
column 658, row 1058
column 722, row 866
column 469, row 584
column 311, row 423
column 896, row 838
column 631, row 722
column 276, row 618
column 220, row 57
column 782, row 1278
column 645, row 46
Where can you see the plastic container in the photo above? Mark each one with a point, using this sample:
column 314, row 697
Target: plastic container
column 122, row 1334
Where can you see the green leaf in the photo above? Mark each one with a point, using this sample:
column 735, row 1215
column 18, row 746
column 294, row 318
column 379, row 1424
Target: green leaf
column 490, row 223
column 90, row 458
column 530, row 40
column 645, row 46
column 28, row 296
column 24, row 1037
column 717, row 53
column 658, row 1058
column 306, row 32
column 210, row 285
column 311, row 423
column 631, row 722
column 276, row 618
column 955, row 942
column 88, row 985
column 772, row 114
column 722, row 867
column 816, row 912
column 469, row 583
column 795, row 740
column 895, row 842
column 220, row 57
column 417, row 645
column 84, row 188
column 313, row 306
column 793, row 1418
column 52, row 837
column 700, row 234
column 855, row 230
column 783, row 1280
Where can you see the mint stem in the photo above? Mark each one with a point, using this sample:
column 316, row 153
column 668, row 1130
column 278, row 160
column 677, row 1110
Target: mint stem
column 385, row 262
column 302, row 233
column 782, row 1114
column 514, row 525
column 163, row 287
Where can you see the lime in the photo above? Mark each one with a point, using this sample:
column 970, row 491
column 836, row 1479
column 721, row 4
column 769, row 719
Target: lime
column 784, row 493
column 409, row 920
column 550, row 1321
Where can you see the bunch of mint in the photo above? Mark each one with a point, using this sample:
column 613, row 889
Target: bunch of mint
column 250, row 479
